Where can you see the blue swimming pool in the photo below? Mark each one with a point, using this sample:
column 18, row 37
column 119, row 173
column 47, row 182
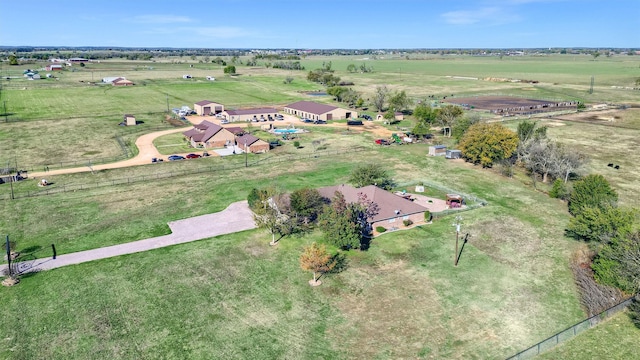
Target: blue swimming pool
column 287, row 131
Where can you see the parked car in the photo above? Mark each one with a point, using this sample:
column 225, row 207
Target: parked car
column 354, row 122
column 175, row 157
column 279, row 117
column 319, row 122
column 224, row 121
column 193, row 156
column 156, row 160
column 306, row 120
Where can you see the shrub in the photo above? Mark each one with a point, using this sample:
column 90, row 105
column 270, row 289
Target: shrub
column 296, row 144
column 381, row 229
column 559, row 190
column 407, row 222
column 427, row 215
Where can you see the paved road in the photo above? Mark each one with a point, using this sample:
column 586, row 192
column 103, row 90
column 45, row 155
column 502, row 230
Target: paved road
column 237, row 217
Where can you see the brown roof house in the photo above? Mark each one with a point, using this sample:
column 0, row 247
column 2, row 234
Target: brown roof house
column 392, row 209
column 317, row 111
column 122, row 82
column 206, row 107
column 252, row 144
column 255, row 114
column 209, row 135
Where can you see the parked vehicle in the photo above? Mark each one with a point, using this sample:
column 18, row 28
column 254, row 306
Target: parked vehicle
column 279, row 117
column 225, row 121
column 382, row 142
column 354, row 122
column 193, row 156
column 156, row 160
column 175, row 157
column 319, row 122
column 305, row 120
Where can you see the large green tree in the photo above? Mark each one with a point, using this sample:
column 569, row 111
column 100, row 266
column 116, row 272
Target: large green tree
column 487, row 143
column 339, row 224
column 380, row 97
column 307, row 204
column 424, row 113
column 399, row 101
column 447, row 117
column 371, row 174
column 591, row 191
column 601, row 224
column 618, row 263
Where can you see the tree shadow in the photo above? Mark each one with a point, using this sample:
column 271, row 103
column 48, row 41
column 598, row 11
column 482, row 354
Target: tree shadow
column 341, row 263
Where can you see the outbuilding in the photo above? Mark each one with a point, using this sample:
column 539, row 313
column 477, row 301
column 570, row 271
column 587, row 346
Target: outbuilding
column 317, row 111
column 254, row 114
column 437, row 150
column 453, row 154
column 206, row 107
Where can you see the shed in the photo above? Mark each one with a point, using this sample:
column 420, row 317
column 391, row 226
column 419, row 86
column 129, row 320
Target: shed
column 437, row 150
column 453, row 154
column 129, row 120
column 317, row 111
column 454, row 200
column 206, row 107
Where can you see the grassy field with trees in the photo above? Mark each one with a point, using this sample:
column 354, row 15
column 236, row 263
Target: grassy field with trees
column 234, row 296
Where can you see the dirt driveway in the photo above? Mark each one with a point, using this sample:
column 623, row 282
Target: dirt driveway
column 146, row 151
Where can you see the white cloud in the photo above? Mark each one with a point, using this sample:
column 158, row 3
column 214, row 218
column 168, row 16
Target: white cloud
column 159, row 19
column 487, row 15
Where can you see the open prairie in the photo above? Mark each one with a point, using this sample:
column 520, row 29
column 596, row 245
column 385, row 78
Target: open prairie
column 234, row 296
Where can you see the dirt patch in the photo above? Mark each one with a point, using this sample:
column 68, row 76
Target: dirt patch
column 511, row 105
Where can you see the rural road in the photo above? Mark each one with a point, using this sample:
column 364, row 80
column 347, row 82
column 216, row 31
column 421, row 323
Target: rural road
column 235, row 218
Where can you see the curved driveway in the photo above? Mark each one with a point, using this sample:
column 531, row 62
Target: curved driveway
column 146, row 151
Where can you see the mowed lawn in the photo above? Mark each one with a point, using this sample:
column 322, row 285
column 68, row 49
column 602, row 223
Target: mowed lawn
column 237, row 297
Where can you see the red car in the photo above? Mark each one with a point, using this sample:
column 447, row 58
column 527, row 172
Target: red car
column 193, row 156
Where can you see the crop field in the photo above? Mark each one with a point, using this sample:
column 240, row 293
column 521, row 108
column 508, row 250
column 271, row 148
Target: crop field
column 234, row 296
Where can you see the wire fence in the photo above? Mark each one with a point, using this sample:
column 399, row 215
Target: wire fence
column 569, row 333
column 63, row 188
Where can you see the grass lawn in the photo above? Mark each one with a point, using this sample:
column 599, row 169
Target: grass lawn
column 236, row 297
column 615, row 338
column 403, row 298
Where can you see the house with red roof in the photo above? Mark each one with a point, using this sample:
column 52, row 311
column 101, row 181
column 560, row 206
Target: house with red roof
column 209, row 135
column 392, row 209
column 252, row 144
column 317, row 111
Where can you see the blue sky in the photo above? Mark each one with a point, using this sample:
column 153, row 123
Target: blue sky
column 322, row 24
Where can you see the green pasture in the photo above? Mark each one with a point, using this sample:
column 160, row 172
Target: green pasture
column 236, row 297
column 614, row 338
column 402, row 298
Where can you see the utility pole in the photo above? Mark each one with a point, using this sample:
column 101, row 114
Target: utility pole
column 457, row 225
column 5, row 110
column 245, row 153
column 167, row 102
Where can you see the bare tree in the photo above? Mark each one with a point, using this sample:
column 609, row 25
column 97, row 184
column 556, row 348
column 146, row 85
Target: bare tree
column 380, row 97
column 567, row 162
